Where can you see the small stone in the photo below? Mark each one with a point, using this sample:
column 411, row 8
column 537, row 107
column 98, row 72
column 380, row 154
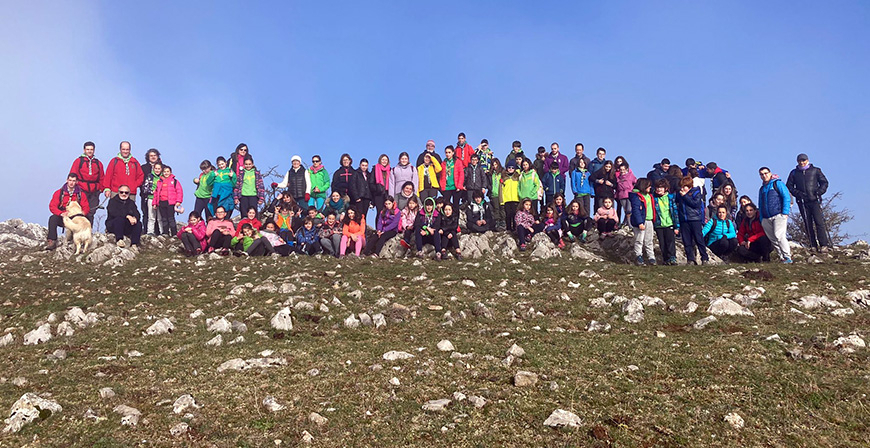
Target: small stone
column 219, row 325
column 395, row 381
column 446, row 346
column 595, row 325
column 394, row 355
column 179, row 429
column 184, row 403
column 813, row 301
column 91, row 415
column 7, row 339
column 216, row 341
column 633, row 310
column 722, row 306
column 524, row 378
column 317, row 419
column 478, row 402
column 561, row 417
column 843, row 312
column 307, row 438
column 19, row 381
column 282, row 320
column 735, row 420
column 129, row 415
column 356, row 294
column 516, row 351
column 107, row 393
column 313, row 372
column 351, row 322
column 469, row 283
column 365, row 320
column 39, row 335
column 272, row 405
column 436, row 405
column 57, row 355
column 850, row 344
column 65, row 329
column 700, row 324
column 661, row 334
column 162, row 326
column 379, row 320
column 690, row 308
column 196, row 314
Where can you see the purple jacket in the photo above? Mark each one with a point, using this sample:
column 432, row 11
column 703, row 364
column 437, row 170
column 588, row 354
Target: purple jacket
column 388, row 221
column 561, row 159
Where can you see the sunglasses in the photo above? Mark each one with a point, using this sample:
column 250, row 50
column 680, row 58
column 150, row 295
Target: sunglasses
column 123, row 192
column 315, row 161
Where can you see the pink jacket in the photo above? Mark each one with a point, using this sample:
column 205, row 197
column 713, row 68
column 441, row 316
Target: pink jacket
column 198, row 231
column 407, row 219
column 624, row 184
column 216, row 224
column 172, row 187
column 605, row 213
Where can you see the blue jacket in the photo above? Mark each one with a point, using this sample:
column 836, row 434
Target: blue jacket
column 773, row 199
column 595, row 165
column 716, row 229
column 691, row 206
column 304, row 236
column 553, row 184
column 672, row 209
column 580, row 182
column 639, row 207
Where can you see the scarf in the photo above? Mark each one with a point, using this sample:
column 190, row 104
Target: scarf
column 337, row 205
column 315, row 169
column 804, row 168
column 126, row 162
column 90, row 164
column 382, row 174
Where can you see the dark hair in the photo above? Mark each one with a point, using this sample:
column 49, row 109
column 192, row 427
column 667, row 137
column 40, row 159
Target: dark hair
column 516, row 144
column 692, row 172
column 414, row 200
column 247, row 226
column 311, row 207
column 248, row 157
column 675, row 171
column 523, row 203
column 525, row 161
column 722, row 207
column 152, row 150
column 270, row 223
column 166, row 167
column 477, row 194
column 447, row 204
column 357, row 216
column 72, row 176
column 744, row 197
column 450, row 147
column 318, row 156
column 363, row 160
column 666, row 161
column 255, row 211
column 580, row 145
column 475, row 156
column 642, row 184
column 407, row 183
column 340, row 159
column 712, row 166
column 331, row 212
column 663, row 183
column 404, row 153
column 89, row 144
column 608, row 162
column 390, row 198
column 482, row 141
column 439, row 200
column 194, row 214
column 554, row 165
column 541, row 150
column 625, row 164
column 220, row 159
column 240, row 146
column 581, row 210
column 307, row 220
column 461, row 134
column 763, row 168
column 600, row 149
column 122, row 144
column 554, row 143
column 220, row 207
column 495, row 162
column 690, row 162
column 205, row 164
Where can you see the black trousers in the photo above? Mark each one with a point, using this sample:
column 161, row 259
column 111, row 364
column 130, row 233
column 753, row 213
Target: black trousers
column 146, row 204
column 190, row 243
column 219, row 240
column 93, row 203
column 693, row 236
column 246, row 202
column 120, row 226
column 408, row 236
column 434, row 240
column 522, row 234
column 510, row 213
column 375, row 243
column 54, row 221
column 811, row 211
column 759, row 250
column 260, row 247
column 454, row 197
column 427, row 193
column 449, row 243
column 723, row 246
column 308, row 249
column 167, row 217
column 201, row 205
column 605, row 225
column 667, row 242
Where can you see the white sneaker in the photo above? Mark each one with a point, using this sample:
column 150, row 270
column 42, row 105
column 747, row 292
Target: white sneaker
column 122, row 244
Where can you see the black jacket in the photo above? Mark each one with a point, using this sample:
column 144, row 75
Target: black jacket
column 475, row 178
column 807, row 185
column 120, row 208
column 484, row 212
column 656, row 173
column 604, row 190
column 360, row 185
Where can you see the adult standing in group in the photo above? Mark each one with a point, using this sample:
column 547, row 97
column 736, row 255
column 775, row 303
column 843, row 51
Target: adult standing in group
column 360, row 191
column 403, row 172
column 578, row 154
column 123, row 170
column 297, row 182
column 152, row 157
column 464, row 151
column 430, row 149
column 428, row 175
column 123, row 218
column 598, row 162
column 70, row 191
column 249, row 191
column 319, row 182
column 556, row 156
column 380, row 183
column 236, row 162
column 603, row 183
column 90, row 173
column 774, row 205
column 342, row 176
column 807, row 184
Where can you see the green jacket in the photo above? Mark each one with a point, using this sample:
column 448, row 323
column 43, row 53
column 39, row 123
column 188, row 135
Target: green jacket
column 204, row 186
column 320, row 180
column 530, row 183
column 246, row 240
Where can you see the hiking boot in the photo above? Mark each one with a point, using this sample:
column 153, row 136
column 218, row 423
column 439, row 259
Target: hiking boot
column 51, row 245
column 458, row 256
column 705, row 262
column 522, row 247
column 561, row 244
column 639, row 261
column 237, row 253
column 405, row 244
column 787, row 261
column 652, row 262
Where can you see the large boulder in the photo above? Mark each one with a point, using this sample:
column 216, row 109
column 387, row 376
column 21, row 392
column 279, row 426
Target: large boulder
column 543, row 248
column 475, row 245
column 17, row 234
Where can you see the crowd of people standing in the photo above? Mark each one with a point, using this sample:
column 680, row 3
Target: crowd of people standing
column 314, row 212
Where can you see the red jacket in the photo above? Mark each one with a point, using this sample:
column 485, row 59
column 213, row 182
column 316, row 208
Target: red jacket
column 749, row 230
column 464, row 153
column 255, row 223
column 119, row 173
column 61, row 199
column 173, row 188
column 90, row 173
column 458, row 174
column 198, row 231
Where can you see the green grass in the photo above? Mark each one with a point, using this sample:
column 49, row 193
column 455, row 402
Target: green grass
column 684, row 385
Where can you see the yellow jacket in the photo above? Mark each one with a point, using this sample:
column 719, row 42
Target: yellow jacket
column 432, row 171
column 510, row 189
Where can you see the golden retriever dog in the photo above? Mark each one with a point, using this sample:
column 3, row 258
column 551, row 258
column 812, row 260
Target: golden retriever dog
column 78, row 227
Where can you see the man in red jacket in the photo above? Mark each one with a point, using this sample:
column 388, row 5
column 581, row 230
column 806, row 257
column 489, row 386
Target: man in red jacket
column 70, row 191
column 464, row 151
column 123, row 170
column 90, row 174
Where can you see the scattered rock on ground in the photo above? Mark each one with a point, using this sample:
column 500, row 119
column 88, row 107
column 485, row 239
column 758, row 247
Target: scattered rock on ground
column 561, row 417
column 161, row 326
column 27, row 409
column 39, row 335
column 282, row 321
column 436, row 405
column 524, row 378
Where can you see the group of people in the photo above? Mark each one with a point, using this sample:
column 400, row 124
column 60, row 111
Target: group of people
column 421, row 203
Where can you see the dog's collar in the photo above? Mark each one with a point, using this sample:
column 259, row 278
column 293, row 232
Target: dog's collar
column 76, row 216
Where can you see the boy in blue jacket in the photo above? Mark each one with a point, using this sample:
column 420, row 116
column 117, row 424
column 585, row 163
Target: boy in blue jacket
column 553, row 182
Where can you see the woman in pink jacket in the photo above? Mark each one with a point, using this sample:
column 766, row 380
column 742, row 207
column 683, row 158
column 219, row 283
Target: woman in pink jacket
column 219, row 232
column 192, row 235
column 625, row 181
column 167, row 198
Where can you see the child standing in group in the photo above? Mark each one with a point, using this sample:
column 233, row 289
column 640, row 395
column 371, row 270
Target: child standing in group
column 192, row 235
column 625, row 181
column 530, row 185
column 449, row 233
column 330, row 234
column 426, row 227
column 510, row 184
column 204, row 186
column 495, row 195
column 168, row 196
column 525, row 223
column 553, row 182
column 605, row 218
column 580, row 184
column 222, row 188
column 307, row 240
column 643, row 216
column 690, row 205
column 353, row 232
column 427, row 174
column 576, row 222
column 475, row 179
column 249, row 191
column 153, row 222
column 667, row 222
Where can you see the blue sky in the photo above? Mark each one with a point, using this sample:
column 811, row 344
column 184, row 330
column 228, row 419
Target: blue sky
column 742, row 83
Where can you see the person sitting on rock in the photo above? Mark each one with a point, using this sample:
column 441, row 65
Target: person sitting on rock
column 70, row 191
column 219, row 232
column 353, row 231
column 307, row 240
column 720, row 233
column 192, row 235
column 406, row 223
column 387, row 227
column 605, row 218
column 525, row 222
column 330, row 234
column 449, row 232
column 752, row 243
column 552, row 225
column 123, row 217
column 426, row 227
column 478, row 215
column 576, row 222
column 269, row 231
column 252, row 243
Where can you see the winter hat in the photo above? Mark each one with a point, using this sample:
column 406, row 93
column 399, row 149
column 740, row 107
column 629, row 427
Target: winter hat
column 511, row 164
column 296, row 158
column 430, row 141
column 801, row 157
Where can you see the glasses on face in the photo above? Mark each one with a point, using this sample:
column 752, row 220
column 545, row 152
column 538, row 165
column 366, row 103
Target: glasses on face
column 315, row 161
column 123, row 192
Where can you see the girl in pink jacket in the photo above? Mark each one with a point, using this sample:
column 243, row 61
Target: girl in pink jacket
column 192, row 235
column 625, row 181
column 605, row 218
column 168, row 195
